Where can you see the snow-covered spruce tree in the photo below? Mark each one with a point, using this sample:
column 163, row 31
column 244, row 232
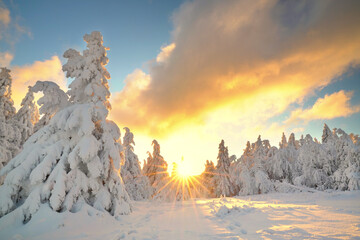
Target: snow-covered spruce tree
column 222, row 183
column 9, row 134
column 314, row 166
column 7, row 104
column 347, row 175
column 262, row 181
column 53, row 100
column 326, row 134
column 283, row 142
column 156, row 170
column 281, row 165
column 75, row 159
column 249, row 173
column 27, row 116
column 240, row 172
column 137, row 185
column 207, row 179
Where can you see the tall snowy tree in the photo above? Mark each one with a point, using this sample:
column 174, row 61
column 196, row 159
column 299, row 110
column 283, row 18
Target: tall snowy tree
column 10, row 136
column 75, row 159
column 27, row 116
column 347, row 161
column 281, row 165
column 283, row 142
column 156, row 170
column 6, row 103
column 326, row 134
column 207, row 179
column 137, row 185
column 222, row 182
column 249, row 173
column 313, row 166
column 53, row 100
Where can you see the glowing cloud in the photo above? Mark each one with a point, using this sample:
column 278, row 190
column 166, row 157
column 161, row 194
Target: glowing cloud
column 4, row 16
column 331, row 106
column 5, row 59
column 4, row 20
column 232, row 66
column 165, row 53
column 227, row 52
column 24, row 76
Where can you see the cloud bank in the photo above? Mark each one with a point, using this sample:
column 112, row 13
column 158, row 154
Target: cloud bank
column 250, row 57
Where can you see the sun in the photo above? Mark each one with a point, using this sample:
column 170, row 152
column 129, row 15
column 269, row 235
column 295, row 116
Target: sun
column 184, row 171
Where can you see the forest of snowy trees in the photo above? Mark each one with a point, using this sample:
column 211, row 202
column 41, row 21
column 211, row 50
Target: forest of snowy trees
column 74, row 155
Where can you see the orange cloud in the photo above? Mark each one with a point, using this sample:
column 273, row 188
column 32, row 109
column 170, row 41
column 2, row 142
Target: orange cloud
column 255, row 55
column 5, row 59
column 165, row 52
column 4, row 16
column 4, row 20
column 331, row 106
column 24, row 76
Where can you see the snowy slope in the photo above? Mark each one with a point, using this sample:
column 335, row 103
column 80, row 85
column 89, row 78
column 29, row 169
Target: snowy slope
column 318, row 215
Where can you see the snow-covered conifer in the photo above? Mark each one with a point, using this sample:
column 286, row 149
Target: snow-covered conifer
column 283, row 142
column 76, row 157
column 137, row 185
column 6, row 103
column 27, row 116
column 156, row 170
column 10, row 136
column 222, row 183
column 53, row 100
column 86, row 67
column 326, row 134
column 207, row 178
column 249, row 174
column 347, row 174
column 281, row 165
column 313, row 165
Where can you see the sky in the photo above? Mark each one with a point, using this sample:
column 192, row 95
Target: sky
column 190, row 73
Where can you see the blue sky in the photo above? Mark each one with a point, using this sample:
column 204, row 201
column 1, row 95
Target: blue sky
column 134, row 30
column 230, row 69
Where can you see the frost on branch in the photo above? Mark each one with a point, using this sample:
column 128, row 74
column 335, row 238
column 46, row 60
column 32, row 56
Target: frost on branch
column 76, row 157
column 53, row 100
column 137, row 185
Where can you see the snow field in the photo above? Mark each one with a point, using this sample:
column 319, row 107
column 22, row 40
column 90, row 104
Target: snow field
column 303, row 215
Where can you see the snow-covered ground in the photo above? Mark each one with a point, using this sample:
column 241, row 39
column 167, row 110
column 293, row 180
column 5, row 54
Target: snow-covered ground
column 304, row 215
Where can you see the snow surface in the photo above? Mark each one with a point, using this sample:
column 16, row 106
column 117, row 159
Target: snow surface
column 301, row 215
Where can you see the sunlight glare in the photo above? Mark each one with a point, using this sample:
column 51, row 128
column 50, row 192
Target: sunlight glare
column 184, row 170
